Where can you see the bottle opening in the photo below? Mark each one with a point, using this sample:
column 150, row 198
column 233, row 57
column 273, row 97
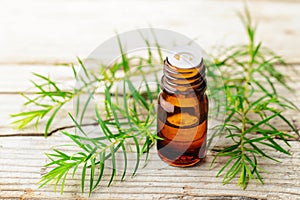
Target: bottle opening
column 185, row 57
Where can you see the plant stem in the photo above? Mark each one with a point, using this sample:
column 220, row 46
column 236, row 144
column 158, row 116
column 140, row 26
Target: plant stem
column 246, row 95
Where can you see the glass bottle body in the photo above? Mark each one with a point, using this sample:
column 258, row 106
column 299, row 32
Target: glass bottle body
column 182, row 117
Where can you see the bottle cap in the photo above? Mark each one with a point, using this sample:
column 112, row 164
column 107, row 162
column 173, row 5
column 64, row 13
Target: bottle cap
column 185, row 57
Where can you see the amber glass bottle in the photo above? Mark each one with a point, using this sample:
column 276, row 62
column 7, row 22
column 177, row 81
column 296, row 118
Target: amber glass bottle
column 182, row 114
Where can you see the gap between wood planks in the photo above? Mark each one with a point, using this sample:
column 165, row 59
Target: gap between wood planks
column 32, row 134
column 42, row 134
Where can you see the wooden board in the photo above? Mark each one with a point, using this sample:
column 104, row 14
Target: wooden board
column 22, row 160
column 41, row 36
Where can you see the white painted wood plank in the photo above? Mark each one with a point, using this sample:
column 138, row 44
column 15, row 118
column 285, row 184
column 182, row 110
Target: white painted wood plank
column 19, row 175
column 15, row 78
column 57, row 31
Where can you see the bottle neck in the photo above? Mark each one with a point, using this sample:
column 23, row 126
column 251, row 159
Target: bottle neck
column 183, row 81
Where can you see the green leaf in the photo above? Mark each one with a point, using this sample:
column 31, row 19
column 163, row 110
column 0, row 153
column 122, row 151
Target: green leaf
column 227, row 164
column 253, row 128
column 50, row 120
column 83, row 174
column 63, row 183
column 86, row 104
column 112, row 108
column 263, row 153
column 77, row 124
column 125, row 161
column 74, row 71
column 123, row 55
column 83, row 67
column 256, row 50
column 107, row 132
column 48, row 80
column 233, row 171
column 113, row 161
column 137, row 96
column 74, row 139
column 92, row 175
column 137, row 155
column 101, row 168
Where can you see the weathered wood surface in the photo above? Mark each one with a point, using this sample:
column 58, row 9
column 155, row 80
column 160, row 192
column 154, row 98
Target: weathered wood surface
column 36, row 35
column 22, row 160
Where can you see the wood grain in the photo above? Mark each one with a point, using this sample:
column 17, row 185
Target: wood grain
column 19, row 176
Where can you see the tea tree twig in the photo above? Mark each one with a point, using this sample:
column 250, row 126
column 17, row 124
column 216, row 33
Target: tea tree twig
column 248, row 72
